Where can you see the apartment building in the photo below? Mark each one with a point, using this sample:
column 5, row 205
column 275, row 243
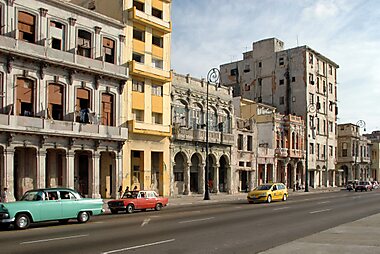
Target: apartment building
column 279, row 150
column 61, row 82
column 146, row 96
column 298, row 81
column 188, row 148
column 354, row 151
column 374, row 137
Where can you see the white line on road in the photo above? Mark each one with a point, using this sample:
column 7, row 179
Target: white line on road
column 323, row 202
column 188, row 221
column 54, row 239
column 320, row 211
column 281, row 208
column 138, row 246
column 146, row 221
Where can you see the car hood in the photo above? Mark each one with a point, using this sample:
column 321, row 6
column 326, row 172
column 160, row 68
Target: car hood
column 257, row 192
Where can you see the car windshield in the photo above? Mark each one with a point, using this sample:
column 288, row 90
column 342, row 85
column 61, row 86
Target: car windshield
column 130, row 194
column 263, row 187
column 32, row 196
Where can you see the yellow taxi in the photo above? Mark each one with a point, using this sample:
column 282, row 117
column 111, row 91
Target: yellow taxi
column 268, row 192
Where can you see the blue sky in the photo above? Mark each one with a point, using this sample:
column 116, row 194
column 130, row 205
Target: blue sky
column 207, row 33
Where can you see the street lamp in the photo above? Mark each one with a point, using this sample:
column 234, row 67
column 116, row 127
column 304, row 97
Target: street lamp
column 213, row 77
column 360, row 124
column 310, row 109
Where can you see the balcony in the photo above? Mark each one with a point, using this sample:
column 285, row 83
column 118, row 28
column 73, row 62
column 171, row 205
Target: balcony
column 62, row 58
column 34, row 125
column 148, row 20
column 199, row 135
column 142, row 70
column 281, row 152
column 295, row 153
column 137, row 127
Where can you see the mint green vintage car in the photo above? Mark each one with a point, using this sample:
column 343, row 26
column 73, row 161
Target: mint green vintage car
column 50, row 204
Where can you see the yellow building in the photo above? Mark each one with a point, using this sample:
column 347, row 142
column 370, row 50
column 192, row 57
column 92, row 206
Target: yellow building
column 147, row 93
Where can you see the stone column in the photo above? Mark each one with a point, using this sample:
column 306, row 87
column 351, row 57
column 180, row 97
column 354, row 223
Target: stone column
column 186, row 172
column 294, row 180
column 201, row 178
column 69, row 170
column 252, row 182
column 231, row 188
column 94, row 175
column 8, row 180
column 265, row 173
column 216, row 178
column 274, row 171
column 118, row 179
column 41, row 168
column 286, row 173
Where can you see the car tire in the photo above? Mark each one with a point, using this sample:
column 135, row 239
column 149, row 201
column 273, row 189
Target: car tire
column 65, row 221
column 113, row 211
column 356, row 190
column 83, row 217
column 130, row 208
column 284, row 198
column 22, row 221
column 158, row 207
column 269, row 199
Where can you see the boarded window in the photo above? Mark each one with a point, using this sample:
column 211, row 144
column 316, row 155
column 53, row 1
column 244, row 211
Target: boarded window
column 84, row 43
column 55, row 98
column 26, row 27
column 107, row 109
column 57, row 32
column 109, row 50
column 25, row 97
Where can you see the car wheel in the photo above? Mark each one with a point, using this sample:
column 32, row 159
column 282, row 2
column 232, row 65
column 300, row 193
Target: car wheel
column 356, row 190
column 130, row 208
column 83, row 217
column 22, row 221
column 269, row 199
column 284, row 198
column 113, row 211
column 65, row 221
column 158, row 207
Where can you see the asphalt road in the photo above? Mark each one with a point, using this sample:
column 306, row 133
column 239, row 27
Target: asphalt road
column 228, row 227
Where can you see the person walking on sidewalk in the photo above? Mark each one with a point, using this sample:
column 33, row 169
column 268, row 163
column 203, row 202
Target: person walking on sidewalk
column 4, row 195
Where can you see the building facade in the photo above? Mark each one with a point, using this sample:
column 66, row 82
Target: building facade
column 297, row 81
column 147, row 94
column 188, row 148
column 354, row 161
column 61, row 84
column 374, row 137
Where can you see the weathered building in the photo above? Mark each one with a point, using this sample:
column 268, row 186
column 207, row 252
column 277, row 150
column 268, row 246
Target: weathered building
column 61, row 82
column 297, row 81
column 374, row 137
column 354, row 162
column 188, row 148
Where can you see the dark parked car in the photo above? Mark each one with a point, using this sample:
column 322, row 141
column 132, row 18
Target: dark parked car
column 364, row 186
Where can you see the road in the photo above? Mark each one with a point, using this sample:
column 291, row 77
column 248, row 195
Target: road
column 228, row 227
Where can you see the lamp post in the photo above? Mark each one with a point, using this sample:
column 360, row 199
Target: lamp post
column 213, row 77
column 310, row 109
column 360, row 124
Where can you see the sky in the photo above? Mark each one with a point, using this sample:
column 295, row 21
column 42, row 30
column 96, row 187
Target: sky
column 208, row 33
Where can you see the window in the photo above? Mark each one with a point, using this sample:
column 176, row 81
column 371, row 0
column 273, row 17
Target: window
column 260, row 64
column 241, row 163
column 281, row 82
column 157, row 63
column 157, row 90
column 318, row 127
column 107, row 109
column 138, row 34
column 247, row 68
column 26, row 27
column 281, row 61
column 83, row 102
column 138, row 57
column 157, row 118
column 156, row 13
column 318, row 151
column 57, row 31
column 158, row 41
column 317, row 84
column 234, row 72
column 248, row 164
column 55, row 101
column 66, row 195
column 247, row 87
column 240, row 142
column 178, row 176
column 84, row 43
column 311, row 148
column 311, row 98
column 311, row 79
column 330, row 70
column 330, row 87
column 331, row 152
column 139, row 6
column 249, row 143
column 109, row 50
column 331, row 126
column 344, row 149
column 293, row 79
column 324, row 126
column 139, row 115
column 311, row 58
column 282, row 100
column 25, row 97
column 138, row 86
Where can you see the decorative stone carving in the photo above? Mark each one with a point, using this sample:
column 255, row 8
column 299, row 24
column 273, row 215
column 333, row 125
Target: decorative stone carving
column 97, row 29
column 72, row 21
column 10, row 60
column 43, row 12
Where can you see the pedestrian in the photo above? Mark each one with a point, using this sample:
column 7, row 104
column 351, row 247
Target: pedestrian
column 126, row 190
column 4, row 195
column 135, row 188
column 120, row 190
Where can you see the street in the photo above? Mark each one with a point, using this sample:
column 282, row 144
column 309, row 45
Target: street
column 224, row 227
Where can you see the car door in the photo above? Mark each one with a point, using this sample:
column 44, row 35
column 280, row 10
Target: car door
column 51, row 208
column 274, row 192
column 151, row 199
column 69, row 203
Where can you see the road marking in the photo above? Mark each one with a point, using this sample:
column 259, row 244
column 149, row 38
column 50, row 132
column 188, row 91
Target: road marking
column 281, row 208
column 146, row 221
column 238, row 207
column 155, row 216
column 320, row 211
column 54, row 239
column 139, row 246
column 188, row 221
column 324, row 202
column 98, row 222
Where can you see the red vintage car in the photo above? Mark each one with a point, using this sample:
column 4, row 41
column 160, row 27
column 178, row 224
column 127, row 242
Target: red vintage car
column 137, row 200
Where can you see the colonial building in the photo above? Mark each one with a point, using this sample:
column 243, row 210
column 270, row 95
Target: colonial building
column 354, row 160
column 374, row 137
column 280, row 155
column 61, row 82
column 146, row 98
column 188, row 148
column 298, row 81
